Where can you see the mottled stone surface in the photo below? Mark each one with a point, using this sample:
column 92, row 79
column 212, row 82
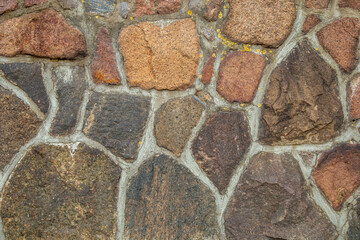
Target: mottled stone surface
column 41, row 34
column 29, row 3
column 355, row 4
column 354, row 97
column 28, row 77
column 221, row 145
column 68, row 4
column 160, row 58
column 354, row 228
column 165, row 201
column 117, row 121
column 18, row 124
column 212, row 10
column 174, row 122
column 104, row 67
column 337, row 173
column 310, row 22
column 59, row 193
column 270, row 202
column 317, row 4
column 265, row 22
column 301, row 104
column 239, row 76
column 99, row 7
column 208, row 34
column 208, row 69
column 124, row 9
column 7, row 5
column 70, row 86
column 340, row 39
column 152, row 7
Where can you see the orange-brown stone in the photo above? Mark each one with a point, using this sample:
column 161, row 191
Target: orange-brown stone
column 208, row 69
column 354, row 97
column 355, row 4
column 317, row 4
column 29, row 3
column 7, row 5
column 310, row 22
column 152, row 7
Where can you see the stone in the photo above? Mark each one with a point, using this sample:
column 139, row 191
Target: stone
column 337, row 173
column 174, row 123
column 160, row 58
column 28, row 77
column 212, row 10
column 340, row 39
column 208, row 69
column 204, row 96
column 239, row 76
column 70, row 84
column 104, row 67
column 68, row 4
column 355, row 4
column 243, row 23
column 310, row 22
column 270, row 202
column 208, row 34
column 354, row 97
column 165, row 201
column 61, row 193
column 124, row 9
column 354, row 228
column 8, row 5
column 30, row 3
column 99, row 7
column 317, row 4
column 301, row 105
column 41, row 34
column 18, row 124
column 117, row 121
column 196, row 6
column 152, row 7
column 220, row 146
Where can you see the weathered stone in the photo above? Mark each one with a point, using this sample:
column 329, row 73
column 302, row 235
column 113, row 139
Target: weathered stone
column 318, row 4
column 338, row 173
column 310, row 22
column 355, row 4
column 70, row 87
column 29, row 3
column 204, row 96
column 239, row 76
column 99, row 7
column 7, row 5
column 152, row 7
column 117, row 121
column 212, row 10
column 196, row 6
column 264, row 22
column 174, row 122
column 354, row 97
column 165, row 201
column 60, row 193
column 160, row 58
column 42, row 34
column 340, row 39
column 270, row 202
column 28, row 77
column 354, row 228
column 301, row 104
column 208, row 34
column 221, row 145
column 104, row 67
column 124, row 9
column 208, row 69
column 68, row 4
column 18, row 124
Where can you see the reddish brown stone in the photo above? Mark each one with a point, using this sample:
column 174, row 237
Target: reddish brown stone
column 340, row 39
column 42, row 34
column 355, row 4
column 354, row 97
column 152, row 7
column 239, row 76
column 208, row 69
column 310, row 22
column 29, row 3
column 338, row 173
column 104, row 66
column 7, row 5
column 212, row 10
column 318, row 4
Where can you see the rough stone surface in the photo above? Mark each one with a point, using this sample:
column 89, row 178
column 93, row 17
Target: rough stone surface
column 208, row 69
column 165, row 201
column 7, row 5
column 68, row 4
column 152, row 7
column 70, row 87
column 28, row 77
column 301, row 104
column 354, row 97
column 354, row 228
column 57, row 193
column 340, row 39
column 212, row 10
column 124, row 9
column 99, row 7
column 29, row 3
column 104, row 67
column 317, row 4
column 220, row 145
column 270, row 202
column 244, row 24
column 117, row 121
column 42, row 34
column 338, row 173
column 310, row 22
column 239, row 76
column 18, row 124
column 174, row 122
column 160, row 58
column 355, row 4
column 208, row 34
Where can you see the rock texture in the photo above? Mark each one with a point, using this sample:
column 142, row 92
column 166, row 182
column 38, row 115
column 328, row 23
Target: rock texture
column 310, row 22
column 221, row 145
column 99, row 7
column 208, row 69
column 354, row 97
column 270, row 202
column 160, row 58
column 244, row 24
column 301, row 104
column 58, row 194
column 354, row 228
column 7, row 5
column 317, row 4
column 165, row 201
column 29, row 3
column 152, row 7
column 41, row 34
column 212, row 10
column 355, row 4
column 338, row 173
column 68, row 4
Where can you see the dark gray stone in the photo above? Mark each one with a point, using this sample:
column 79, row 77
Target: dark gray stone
column 100, row 7
column 124, row 9
column 354, row 228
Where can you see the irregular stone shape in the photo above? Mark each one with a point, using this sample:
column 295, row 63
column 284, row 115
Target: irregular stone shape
column 60, row 193
column 70, row 87
column 338, row 173
column 243, row 23
column 117, row 121
column 152, row 7
column 124, row 9
column 165, row 201
column 301, row 104
column 208, row 34
column 41, row 34
column 355, row 4
column 99, row 7
column 7, row 5
column 29, row 3
column 270, row 202
column 239, row 76
column 18, row 124
column 160, row 58
column 354, row 228
column 340, row 39
column 208, row 69
column 104, row 66
column 68, row 4
column 28, row 77
column 174, row 122
column 310, row 22
column 318, row 4
column 221, row 145
column 212, row 10
column 354, row 97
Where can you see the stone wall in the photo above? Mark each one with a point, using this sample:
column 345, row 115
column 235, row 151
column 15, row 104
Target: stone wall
column 177, row 119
